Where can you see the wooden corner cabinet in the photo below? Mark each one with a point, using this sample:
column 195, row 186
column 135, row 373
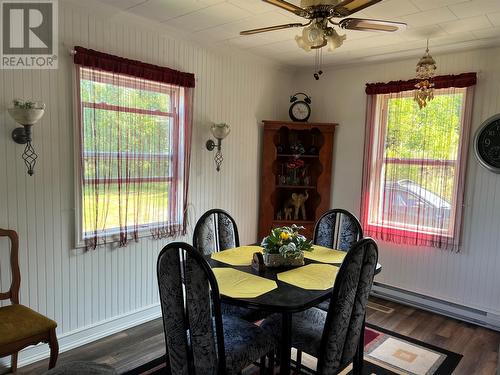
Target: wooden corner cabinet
column 296, row 166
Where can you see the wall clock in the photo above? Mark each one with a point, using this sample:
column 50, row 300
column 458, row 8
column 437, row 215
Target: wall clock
column 300, row 110
column 487, row 144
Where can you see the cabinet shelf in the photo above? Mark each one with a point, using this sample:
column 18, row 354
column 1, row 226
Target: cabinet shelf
column 296, row 156
column 296, row 186
column 274, row 196
column 290, row 222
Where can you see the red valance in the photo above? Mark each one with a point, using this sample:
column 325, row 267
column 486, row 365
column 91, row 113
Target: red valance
column 440, row 82
column 110, row 63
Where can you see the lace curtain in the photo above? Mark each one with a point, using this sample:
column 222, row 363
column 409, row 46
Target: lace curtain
column 415, row 162
column 134, row 122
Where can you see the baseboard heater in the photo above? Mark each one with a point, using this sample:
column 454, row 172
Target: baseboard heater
column 453, row 310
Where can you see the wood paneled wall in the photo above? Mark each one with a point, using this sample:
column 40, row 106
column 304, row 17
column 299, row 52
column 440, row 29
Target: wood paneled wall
column 470, row 278
column 78, row 288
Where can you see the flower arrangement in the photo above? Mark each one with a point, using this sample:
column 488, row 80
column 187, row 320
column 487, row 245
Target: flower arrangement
column 27, row 104
column 287, row 242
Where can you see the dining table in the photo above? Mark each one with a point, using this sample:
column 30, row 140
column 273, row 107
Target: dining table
column 282, row 297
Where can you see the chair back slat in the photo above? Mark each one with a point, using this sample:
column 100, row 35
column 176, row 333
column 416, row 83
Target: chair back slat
column 13, row 292
column 345, row 317
column 190, row 305
column 337, row 229
column 215, row 231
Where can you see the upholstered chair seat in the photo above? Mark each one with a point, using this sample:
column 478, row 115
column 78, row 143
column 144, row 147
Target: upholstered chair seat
column 307, row 329
column 244, row 343
column 18, row 322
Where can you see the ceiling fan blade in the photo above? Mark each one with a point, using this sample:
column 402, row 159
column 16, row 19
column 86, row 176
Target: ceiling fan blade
column 271, row 28
column 287, row 6
column 371, row 25
column 348, row 7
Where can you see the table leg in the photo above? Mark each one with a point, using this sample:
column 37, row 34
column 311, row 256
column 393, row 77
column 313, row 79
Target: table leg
column 357, row 365
column 286, row 343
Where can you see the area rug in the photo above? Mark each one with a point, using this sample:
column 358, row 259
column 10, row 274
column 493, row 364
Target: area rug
column 386, row 353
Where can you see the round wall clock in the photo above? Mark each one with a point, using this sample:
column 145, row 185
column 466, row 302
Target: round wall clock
column 487, row 144
column 300, row 110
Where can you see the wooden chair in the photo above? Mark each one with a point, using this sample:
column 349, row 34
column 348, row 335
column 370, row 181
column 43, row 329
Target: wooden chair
column 19, row 325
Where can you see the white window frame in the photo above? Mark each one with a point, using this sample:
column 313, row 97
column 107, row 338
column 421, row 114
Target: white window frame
column 375, row 209
column 113, row 235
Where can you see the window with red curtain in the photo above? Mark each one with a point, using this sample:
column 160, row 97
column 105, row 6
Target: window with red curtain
column 415, row 162
column 134, row 126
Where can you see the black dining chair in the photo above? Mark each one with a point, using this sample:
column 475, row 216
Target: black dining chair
column 199, row 339
column 334, row 337
column 215, row 231
column 337, row 229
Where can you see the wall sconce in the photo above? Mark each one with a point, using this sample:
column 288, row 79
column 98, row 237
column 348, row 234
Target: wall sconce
column 219, row 131
column 26, row 113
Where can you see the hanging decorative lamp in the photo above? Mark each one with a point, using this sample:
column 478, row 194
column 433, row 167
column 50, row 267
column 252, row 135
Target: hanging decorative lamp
column 426, row 69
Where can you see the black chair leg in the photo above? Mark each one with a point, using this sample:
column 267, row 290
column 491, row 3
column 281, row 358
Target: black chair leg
column 270, row 367
column 357, row 365
column 262, row 365
column 298, row 361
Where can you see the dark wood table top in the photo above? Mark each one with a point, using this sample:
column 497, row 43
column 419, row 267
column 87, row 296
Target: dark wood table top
column 285, row 298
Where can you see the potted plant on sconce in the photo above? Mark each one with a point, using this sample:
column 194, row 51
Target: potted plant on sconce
column 285, row 246
column 26, row 113
column 219, row 131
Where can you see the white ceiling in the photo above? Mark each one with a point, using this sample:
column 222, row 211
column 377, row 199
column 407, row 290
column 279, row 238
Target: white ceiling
column 450, row 24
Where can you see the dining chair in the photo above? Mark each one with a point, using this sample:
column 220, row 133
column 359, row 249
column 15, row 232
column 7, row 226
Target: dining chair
column 337, row 229
column 199, row 339
column 334, row 337
column 215, row 231
column 19, row 325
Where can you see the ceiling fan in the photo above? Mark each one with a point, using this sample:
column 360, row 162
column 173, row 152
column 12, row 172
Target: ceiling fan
column 318, row 33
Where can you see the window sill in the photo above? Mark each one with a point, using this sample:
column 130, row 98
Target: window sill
column 113, row 237
column 392, row 229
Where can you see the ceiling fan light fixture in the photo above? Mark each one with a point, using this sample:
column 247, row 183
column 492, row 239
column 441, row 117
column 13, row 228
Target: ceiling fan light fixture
column 313, row 34
column 316, row 33
column 335, row 40
column 302, row 44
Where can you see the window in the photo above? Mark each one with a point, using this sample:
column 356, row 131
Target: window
column 414, row 168
column 134, row 154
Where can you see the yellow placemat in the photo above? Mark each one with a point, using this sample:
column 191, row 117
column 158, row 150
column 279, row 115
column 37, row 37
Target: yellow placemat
column 312, row 276
column 325, row 255
column 239, row 256
column 238, row 284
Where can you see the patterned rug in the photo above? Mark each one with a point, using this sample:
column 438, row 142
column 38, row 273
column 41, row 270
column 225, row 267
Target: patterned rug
column 386, row 353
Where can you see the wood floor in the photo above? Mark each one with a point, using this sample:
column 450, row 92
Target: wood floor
column 138, row 345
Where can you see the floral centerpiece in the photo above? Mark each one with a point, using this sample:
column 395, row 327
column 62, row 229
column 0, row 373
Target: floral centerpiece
column 285, row 246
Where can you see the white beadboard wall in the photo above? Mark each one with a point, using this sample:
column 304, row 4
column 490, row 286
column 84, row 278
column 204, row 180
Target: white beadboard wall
column 79, row 289
column 470, row 278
